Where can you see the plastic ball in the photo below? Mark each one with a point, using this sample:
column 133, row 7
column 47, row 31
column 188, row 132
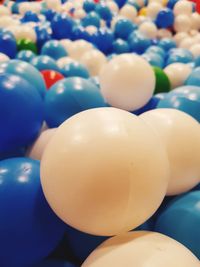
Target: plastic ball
column 120, row 46
column 38, row 228
column 129, row 12
column 25, row 55
column 123, row 28
column 102, row 194
column 186, row 43
column 141, row 248
column 113, row 6
column 89, row 6
column 48, row 13
column 54, row 49
column 37, row 149
column 103, row 40
column 165, row 18
column 91, row 29
column 178, row 37
column 193, row 78
column 8, row 44
column 4, row 11
column 182, row 23
column 4, row 58
column 149, row 29
column 75, row 69
column 94, row 61
column 154, row 59
column 25, row 44
column 68, row 97
column 182, row 211
column 180, row 133
column 162, row 81
column 62, row 26
column 51, row 77
column 44, row 63
column 152, row 104
column 177, row 73
column 157, row 50
column 79, row 48
column 24, row 32
column 121, row 82
column 79, row 32
column 91, row 19
column 164, row 33
column 26, row 71
column 183, row 8
column 167, row 44
column 104, row 12
column 138, row 42
column 64, row 61
column 42, row 36
column 30, row 16
column 195, row 50
column 195, row 19
column 180, row 55
column 153, row 9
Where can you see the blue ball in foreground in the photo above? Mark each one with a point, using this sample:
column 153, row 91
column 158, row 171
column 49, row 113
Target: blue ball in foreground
column 8, row 43
column 44, row 63
column 120, row 46
column 29, row 228
column 75, row 69
column 181, row 219
column 25, row 55
column 21, row 115
column 68, row 97
column 54, row 49
column 26, row 71
column 194, row 78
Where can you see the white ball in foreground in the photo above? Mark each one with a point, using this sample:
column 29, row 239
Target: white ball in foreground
column 141, row 249
column 180, row 134
column 105, row 171
column 127, row 81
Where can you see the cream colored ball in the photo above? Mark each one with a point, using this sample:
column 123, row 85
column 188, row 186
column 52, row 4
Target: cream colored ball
column 195, row 50
column 4, row 11
column 113, row 6
column 182, row 23
column 129, row 12
column 149, row 29
column 127, row 81
column 195, row 21
column 180, row 134
column 63, row 61
column 66, row 43
column 183, row 7
column 79, row 13
column 178, row 37
column 78, row 48
column 91, row 29
column 4, row 58
column 164, row 33
column 141, row 249
column 186, row 42
column 94, row 61
column 104, row 171
column 177, row 73
column 153, row 9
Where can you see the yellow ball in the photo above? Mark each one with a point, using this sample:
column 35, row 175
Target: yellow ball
column 143, row 12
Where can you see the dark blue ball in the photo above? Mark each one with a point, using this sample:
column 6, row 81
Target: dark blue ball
column 138, row 42
column 89, row 6
column 79, row 32
column 91, row 18
column 152, row 104
column 165, row 18
column 43, row 36
column 48, row 13
column 120, row 46
column 8, row 43
column 62, row 26
column 123, row 28
column 104, row 11
column 30, row 16
column 103, row 40
column 171, row 3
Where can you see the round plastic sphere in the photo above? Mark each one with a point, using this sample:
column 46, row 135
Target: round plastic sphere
column 195, row 19
column 79, row 32
column 54, row 50
column 141, row 248
column 21, row 185
column 104, row 12
column 167, row 44
column 113, row 7
column 25, row 55
column 186, row 43
column 51, row 77
column 182, row 211
column 24, row 32
column 4, row 11
column 79, row 48
column 37, row 149
column 4, row 58
column 64, row 61
column 25, row 44
column 138, row 42
column 152, row 104
column 162, row 81
column 171, row 3
column 108, row 193
column 157, row 50
column 42, row 36
column 89, row 6
column 195, row 50
column 75, row 69
column 194, row 78
column 120, row 46
column 8, row 44
column 62, row 26
column 165, row 18
column 153, row 8
column 91, row 19
column 149, row 29
column 182, row 23
column 178, row 130
column 178, row 37
column 177, row 73
column 26, row 71
column 154, row 59
column 129, row 12
column 123, row 28
column 44, row 63
column 94, row 61
column 30, row 16
column 103, row 40
column 70, row 96
column 21, row 123
column 183, row 7
column 122, row 84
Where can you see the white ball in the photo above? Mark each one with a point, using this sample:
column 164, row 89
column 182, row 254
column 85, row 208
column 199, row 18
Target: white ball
column 4, row 11
column 149, row 29
column 113, row 6
column 78, row 48
column 141, row 249
column 98, row 158
column 180, row 134
column 153, row 9
column 195, row 21
column 164, row 33
column 94, row 61
column 123, row 84
column 91, row 29
column 178, row 37
column 67, row 44
column 140, row 19
column 4, row 58
column 61, row 62
column 23, row 32
column 53, row 4
column 182, row 23
column 177, row 73
column 79, row 14
column 183, row 7
column 195, row 50
column 37, row 149
column 186, row 43
column 129, row 12
column 140, row 3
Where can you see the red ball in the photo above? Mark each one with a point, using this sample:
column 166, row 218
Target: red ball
column 51, row 77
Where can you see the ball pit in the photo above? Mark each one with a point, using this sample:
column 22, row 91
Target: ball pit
column 99, row 115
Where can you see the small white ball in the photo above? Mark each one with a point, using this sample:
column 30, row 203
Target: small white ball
column 153, row 9
column 66, row 43
column 186, row 43
column 122, row 82
column 177, row 73
column 129, row 12
column 4, row 58
column 195, row 21
column 61, row 62
column 91, row 29
column 195, row 50
column 182, row 23
column 113, row 6
column 149, row 29
column 178, row 37
column 79, row 13
column 164, row 33
column 78, row 48
column 4, row 11
column 183, row 8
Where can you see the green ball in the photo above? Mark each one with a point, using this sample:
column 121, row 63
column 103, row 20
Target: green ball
column 25, row 44
column 162, row 81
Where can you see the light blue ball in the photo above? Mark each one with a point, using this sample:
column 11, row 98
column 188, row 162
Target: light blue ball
column 157, row 50
column 25, row 55
column 91, row 18
column 194, row 78
column 44, row 63
column 154, row 59
column 75, row 69
column 167, row 44
column 123, row 28
column 54, row 49
column 138, row 42
column 120, row 46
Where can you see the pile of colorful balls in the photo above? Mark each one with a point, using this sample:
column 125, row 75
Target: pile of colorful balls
column 99, row 133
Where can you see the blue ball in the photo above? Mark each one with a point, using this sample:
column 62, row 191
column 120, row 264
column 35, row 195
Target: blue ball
column 53, row 263
column 29, row 228
column 196, row 188
column 79, row 32
column 165, row 18
column 181, row 219
column 171, row 3
column 95, row 80
column 120, row 46
column 43, row 36
column 75, row 69
column 68, row 97
column 16, row 153
column 62, row 26
column 54, row 49
column 103, row 40
column 190, row 92
column 120, row 3
column 104, row 12
column 15, row 8
column 89, row 6
column 197, row 61
column 91, row 18
column 157, row 50
column 25, row 55
column 44, row 63
column 8, row 43
column 30, row 16
column 179, row 55
column 152, row 104
column 48, row 13
column 154, row 59
column 123, row 28
column 21, row 115
column 166, row 44
column 194, row 78
column 26, row 71
column 138, row 42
